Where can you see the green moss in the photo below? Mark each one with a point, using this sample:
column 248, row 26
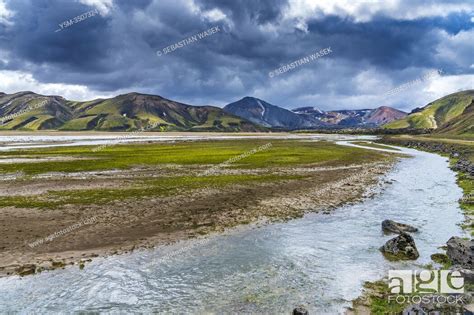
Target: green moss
column 428, row 266
column 205, row 154
column 467, row 202
column 379, row 303
column 442, row 259
column 381, row 306
column 395, row 257
column 281, row 153
column 145, row 188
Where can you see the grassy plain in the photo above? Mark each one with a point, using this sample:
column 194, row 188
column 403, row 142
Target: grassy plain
column 145, row 194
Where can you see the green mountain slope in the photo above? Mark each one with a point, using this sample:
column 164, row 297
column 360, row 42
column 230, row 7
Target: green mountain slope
column 462, row 124
column 27, row 110
column 133, row 111
column 440, row 114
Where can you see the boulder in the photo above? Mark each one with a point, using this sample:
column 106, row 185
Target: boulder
column 401, row 247
column 464, row 165
column 390, row 226
column 461, row 252
column 467, row 274
column 300, row 310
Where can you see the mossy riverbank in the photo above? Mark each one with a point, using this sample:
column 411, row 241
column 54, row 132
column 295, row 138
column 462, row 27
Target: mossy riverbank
column 147, row 194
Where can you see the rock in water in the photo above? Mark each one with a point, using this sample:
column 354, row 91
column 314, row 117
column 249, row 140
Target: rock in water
column 461, row 252
column 401, row 247
column 300, row 310
column 395, row 227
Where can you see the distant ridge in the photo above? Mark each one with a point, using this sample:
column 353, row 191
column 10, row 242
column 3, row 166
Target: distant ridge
column 364, row 118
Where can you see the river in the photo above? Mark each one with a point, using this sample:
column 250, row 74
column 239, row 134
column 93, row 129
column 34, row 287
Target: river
column 320, row 260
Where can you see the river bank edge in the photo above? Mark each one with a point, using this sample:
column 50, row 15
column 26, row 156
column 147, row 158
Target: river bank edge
column 374, row 297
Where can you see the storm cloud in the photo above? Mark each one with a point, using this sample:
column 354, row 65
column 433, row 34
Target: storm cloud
column 375, row 48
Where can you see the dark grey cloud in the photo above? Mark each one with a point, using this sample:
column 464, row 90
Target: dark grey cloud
column 117, row 51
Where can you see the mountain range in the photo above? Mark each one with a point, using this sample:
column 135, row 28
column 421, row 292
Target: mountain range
column 265, row 114
column 353, row 118
column 133, row 111
column 452, row 114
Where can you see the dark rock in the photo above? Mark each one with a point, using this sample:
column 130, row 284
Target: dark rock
column 413, row 309
column 464, row 165
column 428, row 307
column 390, row 226
column 25, row 270
column 467, row 274
column 401, row 247
column 461, row 252
column 300, row 310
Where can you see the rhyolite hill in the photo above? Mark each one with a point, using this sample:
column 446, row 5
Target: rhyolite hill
column 452, row 114
column 131, row 111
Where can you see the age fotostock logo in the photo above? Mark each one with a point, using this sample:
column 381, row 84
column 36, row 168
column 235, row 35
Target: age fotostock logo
column 425, row 282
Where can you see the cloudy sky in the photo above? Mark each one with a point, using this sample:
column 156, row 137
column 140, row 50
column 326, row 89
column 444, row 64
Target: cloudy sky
column 376, row 46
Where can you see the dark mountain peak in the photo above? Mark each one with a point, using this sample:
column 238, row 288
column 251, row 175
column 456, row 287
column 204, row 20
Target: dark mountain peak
column 260, row 112
column 252, row 101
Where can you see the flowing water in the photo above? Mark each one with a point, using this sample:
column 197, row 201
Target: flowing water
column 320, row 260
